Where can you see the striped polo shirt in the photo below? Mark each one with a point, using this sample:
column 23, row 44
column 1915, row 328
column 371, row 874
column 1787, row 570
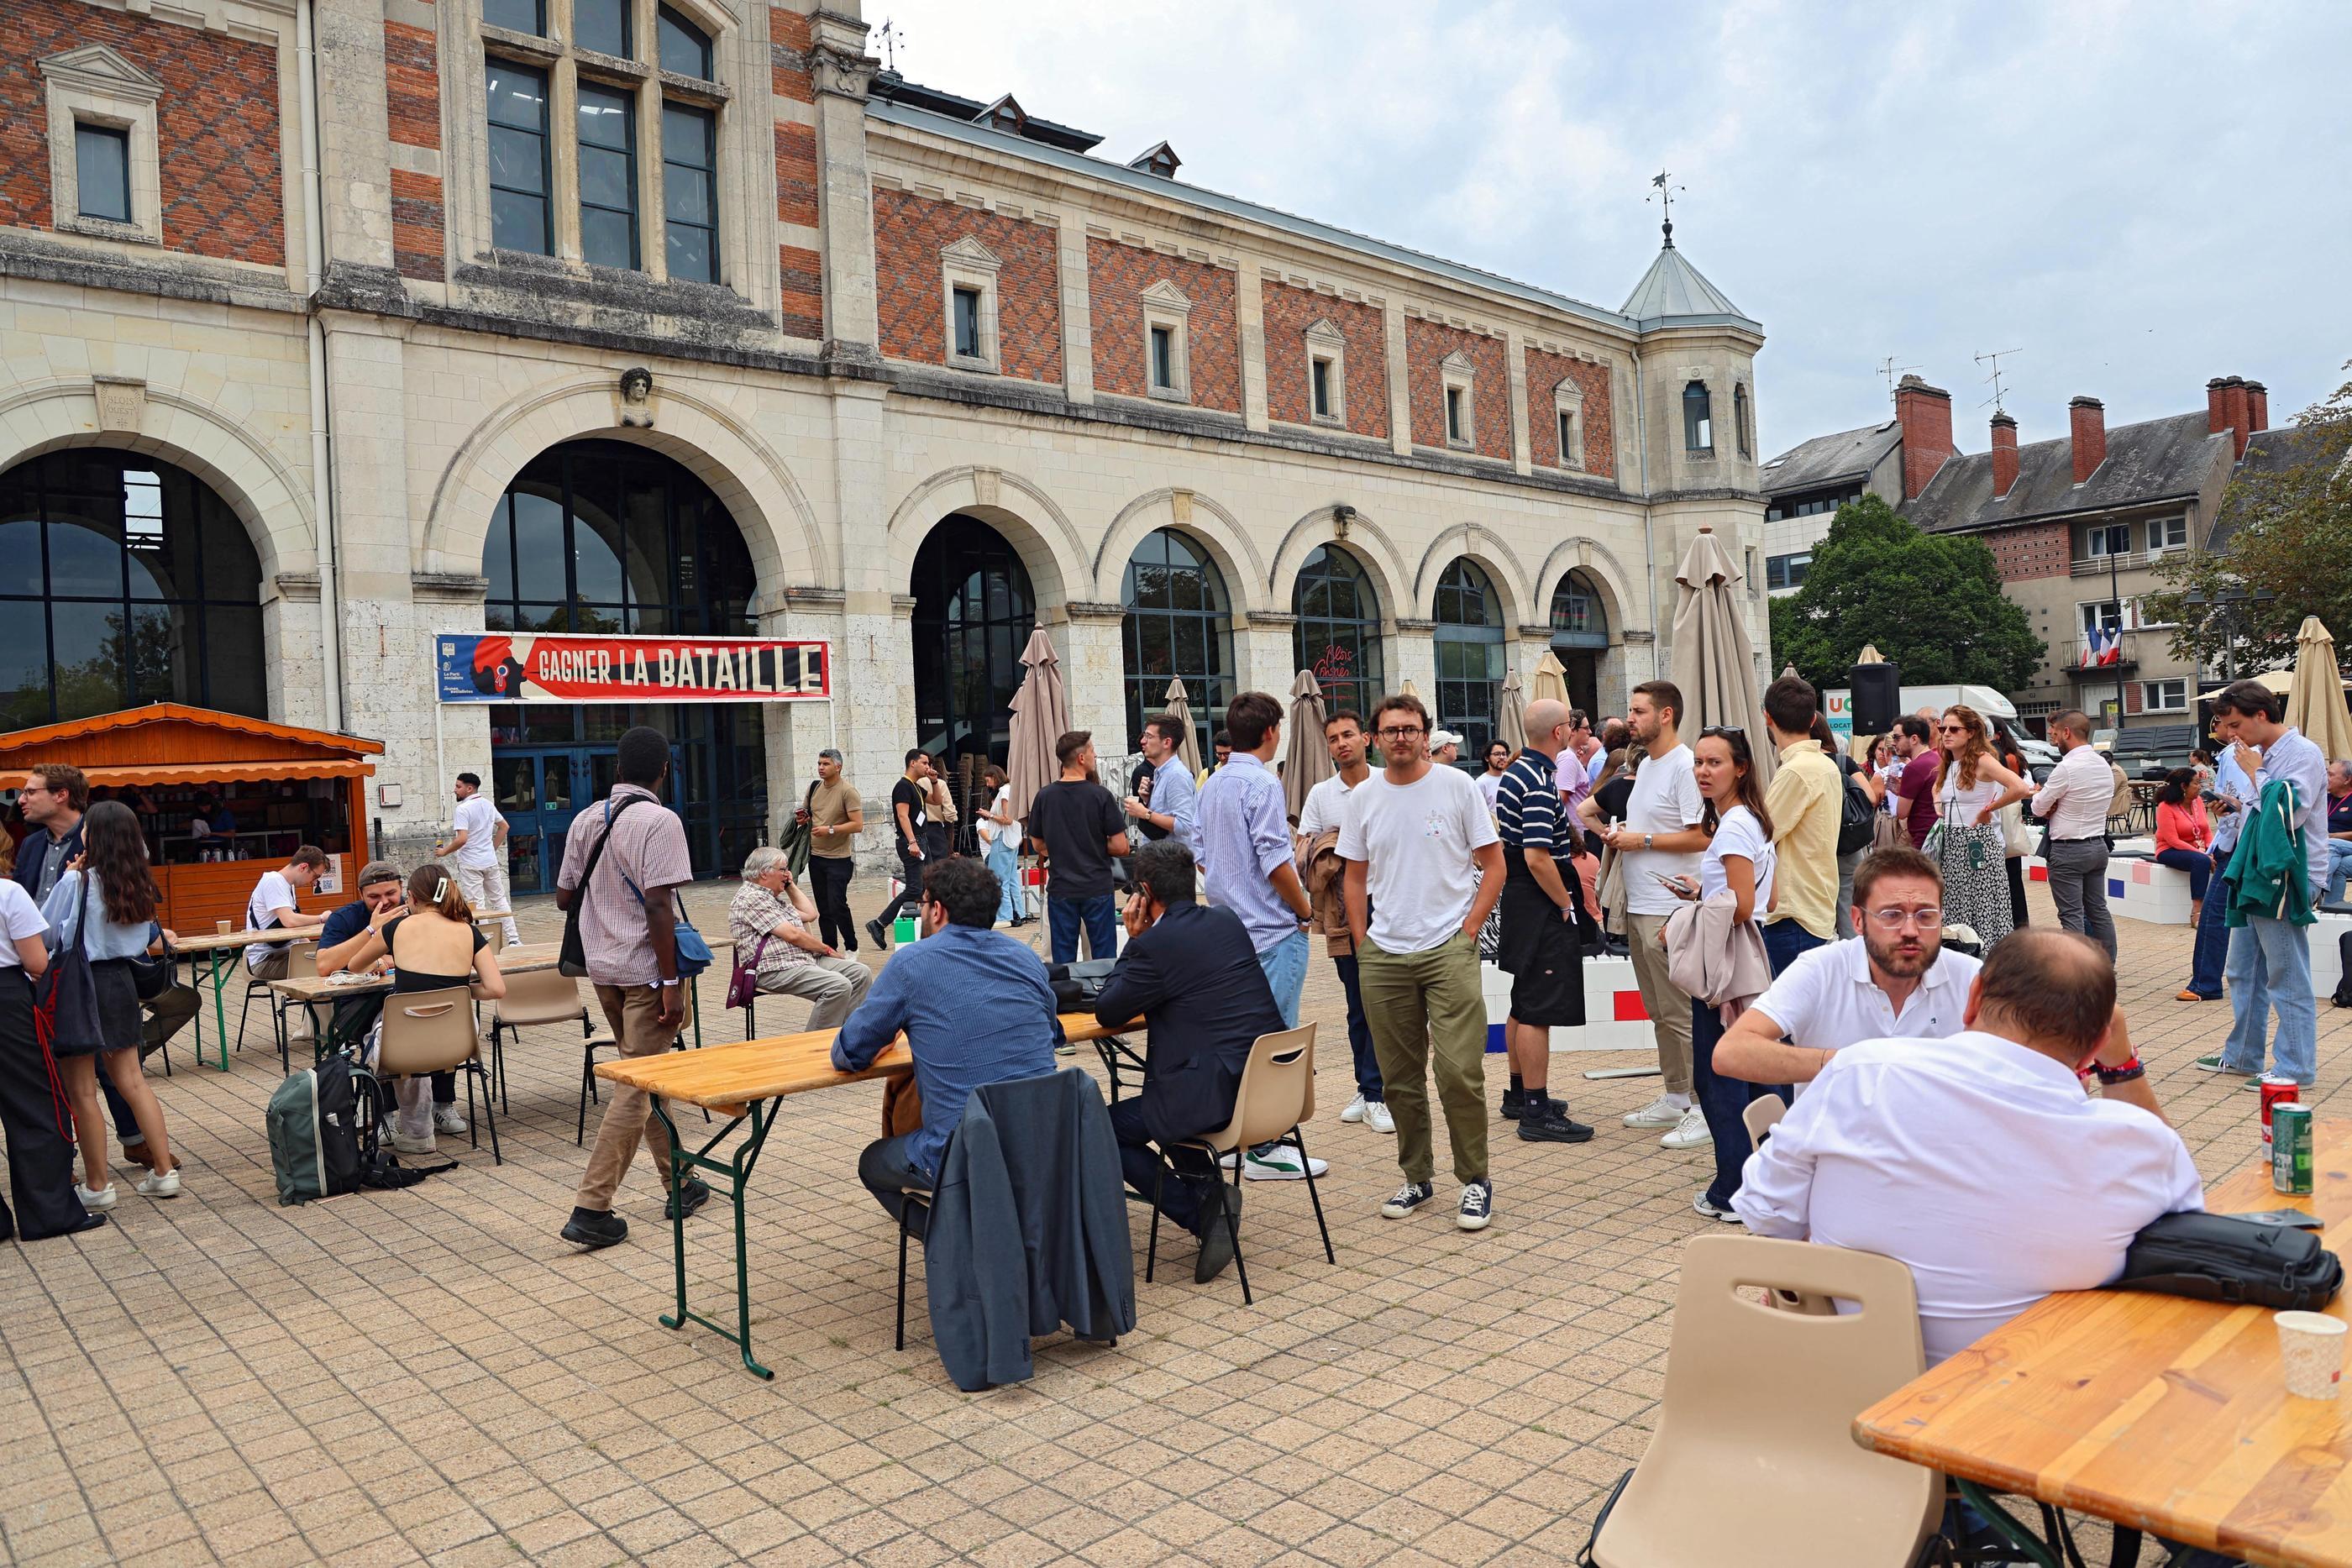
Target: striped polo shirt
column 1527, row 804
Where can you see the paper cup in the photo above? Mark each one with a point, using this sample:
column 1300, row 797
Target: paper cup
column 221, row 927
column 2312, row 1345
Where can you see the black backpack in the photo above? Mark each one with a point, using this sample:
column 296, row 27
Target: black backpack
column 1857, row 821
column 2343, row 997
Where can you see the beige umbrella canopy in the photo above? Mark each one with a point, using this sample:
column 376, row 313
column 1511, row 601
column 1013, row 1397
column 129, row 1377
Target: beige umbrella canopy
column 1511, row 713
column 1713, row 663
column 2314, row 703
column 1041, row 713
column 1408, row 688
column 1552, row 678
column 1179, row 704
column 1304, row 760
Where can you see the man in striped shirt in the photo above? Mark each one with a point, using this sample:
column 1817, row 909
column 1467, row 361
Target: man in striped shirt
column 1541, row 946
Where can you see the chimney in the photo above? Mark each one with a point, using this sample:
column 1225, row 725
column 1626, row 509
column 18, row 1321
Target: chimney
column 2258, row 408
column 2088, row 417
column 2237, row 405
column 1925, row 414
column 2004, row 455
column 2239, row 414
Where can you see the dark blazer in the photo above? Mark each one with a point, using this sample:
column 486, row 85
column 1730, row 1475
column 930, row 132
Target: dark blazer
column 1194, row 980
column 29, row 853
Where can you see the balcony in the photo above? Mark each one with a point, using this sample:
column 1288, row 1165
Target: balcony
column 2072, row 655
column 2130, row 561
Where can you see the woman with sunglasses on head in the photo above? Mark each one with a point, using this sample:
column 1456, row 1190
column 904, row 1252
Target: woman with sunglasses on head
column 435, row 945
column 1972, row 787
column 1738, row 859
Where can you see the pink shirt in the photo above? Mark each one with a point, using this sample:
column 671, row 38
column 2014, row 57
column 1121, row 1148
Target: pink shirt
column 2183, row 828
column 649, row 850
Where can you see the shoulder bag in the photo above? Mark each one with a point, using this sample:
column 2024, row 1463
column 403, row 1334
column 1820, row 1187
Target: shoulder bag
column 693, row 953
column 572, row 959
column 2225, row 1257
column 743, row 985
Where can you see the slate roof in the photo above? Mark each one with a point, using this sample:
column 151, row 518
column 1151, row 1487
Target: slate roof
column 1848, row 455
column 890, row 85
column 2270, row 451
column 2153, row 460
column 1674, row 293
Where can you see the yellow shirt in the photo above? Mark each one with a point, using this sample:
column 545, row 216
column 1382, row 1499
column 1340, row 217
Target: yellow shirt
column 1807, row 804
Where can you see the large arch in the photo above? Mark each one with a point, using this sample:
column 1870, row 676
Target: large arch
column 272, row 502
column 1602, row 569
column 1486, row 548
column 743, row 471
column 1364, row 539
column 1201, row 519
column 1030, row 520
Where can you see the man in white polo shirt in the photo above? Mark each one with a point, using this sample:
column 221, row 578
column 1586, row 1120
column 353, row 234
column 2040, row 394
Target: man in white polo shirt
column 479, row 844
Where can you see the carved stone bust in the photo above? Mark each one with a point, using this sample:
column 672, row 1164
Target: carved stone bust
column 636, row 408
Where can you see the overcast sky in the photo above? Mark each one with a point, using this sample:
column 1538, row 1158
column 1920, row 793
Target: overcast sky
column 2138, row 198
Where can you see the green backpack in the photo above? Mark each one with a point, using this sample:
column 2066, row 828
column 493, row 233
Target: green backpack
column 314, row 1131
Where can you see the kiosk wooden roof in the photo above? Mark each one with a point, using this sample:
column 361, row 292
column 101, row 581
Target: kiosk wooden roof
column 171, row 743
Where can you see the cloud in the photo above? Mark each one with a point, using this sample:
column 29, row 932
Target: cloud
column 2135, row 196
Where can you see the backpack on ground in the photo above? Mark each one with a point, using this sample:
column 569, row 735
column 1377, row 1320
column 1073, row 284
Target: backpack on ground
column 1858, row 822
column 315, row 1129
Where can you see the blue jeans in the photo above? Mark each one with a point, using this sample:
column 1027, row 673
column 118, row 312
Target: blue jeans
column 1099, row 915
column 2212, row 943
column 1785, row 941
column 1285, row 964
column 2200, row 868
column 1007, row 867
column 1724, row 1101
column 2270, row 966
column 2339, row 862
column 1360, row 1032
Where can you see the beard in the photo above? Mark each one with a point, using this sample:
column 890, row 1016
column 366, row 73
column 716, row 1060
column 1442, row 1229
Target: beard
column 1904, row 958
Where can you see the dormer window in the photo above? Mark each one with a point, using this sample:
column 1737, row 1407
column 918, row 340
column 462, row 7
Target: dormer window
column 1006, row 115
column 1159, row 160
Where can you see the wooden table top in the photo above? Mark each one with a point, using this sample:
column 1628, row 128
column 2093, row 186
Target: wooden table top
column 2154, row 1411
column 212, row 941
column 318, row 988
column 728, row 1077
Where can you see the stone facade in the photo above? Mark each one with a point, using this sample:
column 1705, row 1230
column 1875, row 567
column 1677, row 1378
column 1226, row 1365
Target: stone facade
column 366, row 428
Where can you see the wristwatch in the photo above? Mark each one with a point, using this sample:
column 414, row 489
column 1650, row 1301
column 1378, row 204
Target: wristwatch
column 1645, row 841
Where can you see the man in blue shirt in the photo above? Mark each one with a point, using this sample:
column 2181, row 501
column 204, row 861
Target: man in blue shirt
column 975, row 1007
column 1164, row 808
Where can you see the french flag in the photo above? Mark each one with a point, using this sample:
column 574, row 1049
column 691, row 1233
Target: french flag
column 2111, row 645
column 2095, row 648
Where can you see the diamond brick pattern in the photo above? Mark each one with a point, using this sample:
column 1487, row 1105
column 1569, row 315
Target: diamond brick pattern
column 216, row 126
column 1116, row 275
column 1288, row 313
column 909, row 232
column 1544, row 372
column 1427, row 344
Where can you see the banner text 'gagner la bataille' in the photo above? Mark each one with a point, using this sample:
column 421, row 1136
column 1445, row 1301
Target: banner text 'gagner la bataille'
column 521, row 667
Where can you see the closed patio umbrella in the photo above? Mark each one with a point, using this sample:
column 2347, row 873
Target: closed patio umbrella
column 2314, row 703
column 1511, row 716
column 1713, row 663
column 1305, row 761
column 1180, row 705
column 1552, row 678
column 1041, row 713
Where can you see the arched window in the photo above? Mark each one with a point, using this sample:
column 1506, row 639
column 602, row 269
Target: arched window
column 1698, row 418
column 1178, row 627
column 1579, row 619
column 683, row 47
column 129, row 583
column 1338, row 630
column 1469, row 638
column 1739, row 417
column 974, row 610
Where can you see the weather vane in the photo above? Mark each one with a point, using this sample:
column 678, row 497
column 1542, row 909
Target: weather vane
column 891, row 37
column 1993, row 357
column 1665, row 203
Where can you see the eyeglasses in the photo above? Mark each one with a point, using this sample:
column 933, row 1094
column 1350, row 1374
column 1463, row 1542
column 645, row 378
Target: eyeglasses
column 1927, row 919
column 1401, row 732
column 1954, row 728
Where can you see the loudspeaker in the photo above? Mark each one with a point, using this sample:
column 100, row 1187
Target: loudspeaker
column 1875, row 690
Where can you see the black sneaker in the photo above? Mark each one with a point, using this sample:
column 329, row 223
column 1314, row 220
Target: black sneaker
column 1477, row 1206
column 1551, row 1125
column 1515, row 1102
column 1216, row 1241
column 694, row 1191
column 592, row 1228
column 874, row 929
column 1408, row 1197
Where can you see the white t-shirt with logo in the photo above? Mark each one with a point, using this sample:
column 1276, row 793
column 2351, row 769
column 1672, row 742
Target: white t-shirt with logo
column 1666, row 799
column 271, row 894
column 1417, row 841
column 479, row 821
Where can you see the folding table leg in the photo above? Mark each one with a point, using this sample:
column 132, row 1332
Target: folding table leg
column 220, row 1011
column 734, row 1172
column 1999, row 1518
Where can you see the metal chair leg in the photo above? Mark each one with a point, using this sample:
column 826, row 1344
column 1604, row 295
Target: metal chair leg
column 1234, row 1231
column 1158, row 1190
column 899, row 1339
column 488, row 1114
column 1299, row 1142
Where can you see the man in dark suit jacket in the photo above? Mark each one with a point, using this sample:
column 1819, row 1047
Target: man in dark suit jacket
column 1190, row 972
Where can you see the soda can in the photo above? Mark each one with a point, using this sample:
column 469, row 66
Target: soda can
column 2291, row 1148
column 2276, row 1092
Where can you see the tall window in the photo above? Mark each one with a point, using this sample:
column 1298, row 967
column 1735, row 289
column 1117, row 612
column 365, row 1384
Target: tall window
column 967, row 323
column 1469, row 638
column 602, row 25
column 517, row 15
column 974, row 610
column 1338, row 630
column 1571, row 444
column 1163, row 358
column 1699, row 419
column 519, row 211
column 1320, row 370
column 691, row 190
column 102, row 170
column 130, row 582
column 1178, row 627
column 1458, row 427
column 1739, row 416
column 608, row 176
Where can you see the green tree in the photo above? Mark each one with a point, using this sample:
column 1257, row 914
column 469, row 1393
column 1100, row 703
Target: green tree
column 1930, row 603
column 2292, row 538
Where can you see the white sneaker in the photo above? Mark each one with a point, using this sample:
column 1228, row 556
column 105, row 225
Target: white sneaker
column 1355, row 1111
column 1690, row 1132
column 1659, row 1112
column 102, row 1198
column 1377, row 1117
column 404, row 1145
column 445, row 1119
column 1280, row 1164
column 161, row 1183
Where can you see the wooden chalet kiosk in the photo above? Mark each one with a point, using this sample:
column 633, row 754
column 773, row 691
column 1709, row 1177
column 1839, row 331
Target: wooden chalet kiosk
column 223, row 798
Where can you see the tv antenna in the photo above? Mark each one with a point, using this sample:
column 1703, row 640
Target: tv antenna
column 890, row 35
column 1889, row 370
column 1666, row 199
column 1993, row 357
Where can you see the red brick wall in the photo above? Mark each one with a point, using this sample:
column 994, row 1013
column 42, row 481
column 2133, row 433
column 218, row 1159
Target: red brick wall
column 788, row 50
column 1116, row 275
column 412, row 81
column 796, row 174
column 1427, row 344
column 1544, row 372
column 416, row 228
column 216, row 126
column 2038, row 550
column 801, row 275
column 1289, row 312
column 799, row 270
column 909, row 232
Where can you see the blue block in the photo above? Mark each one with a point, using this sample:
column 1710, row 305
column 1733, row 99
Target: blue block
column 1495, row 1046
column 2114, row 888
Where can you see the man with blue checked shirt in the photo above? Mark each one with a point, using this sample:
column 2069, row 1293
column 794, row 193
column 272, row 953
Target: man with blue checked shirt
column 1541, row 946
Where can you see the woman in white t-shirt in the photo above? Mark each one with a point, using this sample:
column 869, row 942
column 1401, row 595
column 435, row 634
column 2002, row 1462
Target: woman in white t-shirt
column 1000, row 841
column 40, row 1161
column 1738, row 859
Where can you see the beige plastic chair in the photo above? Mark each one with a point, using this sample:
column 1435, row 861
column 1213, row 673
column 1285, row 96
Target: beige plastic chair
column 1274, row 1099
column 1756, row 1430
column 534, row 996
column 434, row 1032
column 1760, row 1116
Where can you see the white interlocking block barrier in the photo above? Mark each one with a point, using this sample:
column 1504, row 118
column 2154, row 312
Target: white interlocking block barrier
column 1614, row 1016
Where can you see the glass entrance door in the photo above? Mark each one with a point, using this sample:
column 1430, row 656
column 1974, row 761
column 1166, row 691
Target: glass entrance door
column 539, row 791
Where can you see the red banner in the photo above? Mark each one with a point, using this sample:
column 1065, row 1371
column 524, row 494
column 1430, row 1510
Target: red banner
column 527, row 667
